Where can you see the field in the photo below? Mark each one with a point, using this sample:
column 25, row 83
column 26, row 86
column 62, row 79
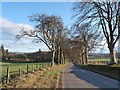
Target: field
column 44, row 78
column 100, row 59
column 14, row 67
column 111, row 71
column 104, row 61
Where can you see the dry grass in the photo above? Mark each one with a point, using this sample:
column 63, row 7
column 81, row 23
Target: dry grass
column 47, row 78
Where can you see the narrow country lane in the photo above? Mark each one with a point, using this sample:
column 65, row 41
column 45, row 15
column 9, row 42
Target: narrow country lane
column 74, row 77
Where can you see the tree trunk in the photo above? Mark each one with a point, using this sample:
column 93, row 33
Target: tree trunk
column 82, row 60
column 62, row 58
column 112, row 56
column 53, row 57
column 86, row 56
column 58, row 57
column 80, row 55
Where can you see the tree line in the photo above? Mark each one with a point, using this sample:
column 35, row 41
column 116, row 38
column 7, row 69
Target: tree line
column 104, row 14
column 38, row 56
column 4, row 53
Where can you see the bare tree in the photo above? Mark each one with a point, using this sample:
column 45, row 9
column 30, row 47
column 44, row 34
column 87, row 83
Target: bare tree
column 65, row 49
column 45, row 31
column 86, row 37
column 59, row 45
column 105, row 14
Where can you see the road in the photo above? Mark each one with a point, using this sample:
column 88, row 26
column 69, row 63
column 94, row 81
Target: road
column 74, row 77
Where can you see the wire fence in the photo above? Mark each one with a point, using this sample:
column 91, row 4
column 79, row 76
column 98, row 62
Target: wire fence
column 103, row 62
column 12, row 73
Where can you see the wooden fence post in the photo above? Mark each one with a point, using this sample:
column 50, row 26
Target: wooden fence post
column 42, row 66
column 38, row 67
column 27, row 68
column 32, row 68
column 20, row 71
column 8, row 75
column 103, row 62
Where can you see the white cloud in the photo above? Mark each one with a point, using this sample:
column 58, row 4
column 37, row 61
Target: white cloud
column 10, row 30
column 6, row 24
column 13, row 27
column 26, row 26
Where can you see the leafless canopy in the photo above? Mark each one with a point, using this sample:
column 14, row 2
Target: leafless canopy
column 103, row 13
column 45, row 31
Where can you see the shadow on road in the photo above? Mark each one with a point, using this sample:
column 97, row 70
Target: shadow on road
column 92, row 78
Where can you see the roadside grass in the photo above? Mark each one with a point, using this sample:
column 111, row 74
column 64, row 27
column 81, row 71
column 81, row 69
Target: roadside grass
column 14, row 67
column 53, row 75
column 112, row 71
column 116, row 65
column 99, row 59
column 45, row 78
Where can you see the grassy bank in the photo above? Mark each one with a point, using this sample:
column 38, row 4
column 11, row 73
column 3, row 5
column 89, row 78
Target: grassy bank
column 14, row 67
column 112, row 71
column 45, row 78
column 99, row 59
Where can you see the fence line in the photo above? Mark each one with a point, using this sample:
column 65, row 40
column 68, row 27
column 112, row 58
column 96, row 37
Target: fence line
column 8, row 75
column 104, row 62
column 28, row 70
column 20, row 71
column 99, row 62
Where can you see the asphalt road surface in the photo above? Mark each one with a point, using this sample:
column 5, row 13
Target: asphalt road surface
column 74, row 77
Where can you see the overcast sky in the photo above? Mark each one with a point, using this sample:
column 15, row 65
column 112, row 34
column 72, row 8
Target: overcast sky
column 15, row 15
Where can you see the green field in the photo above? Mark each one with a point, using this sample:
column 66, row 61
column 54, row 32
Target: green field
column 111, row 71
column 14, row 67
column 107, row 70
column 99, row 59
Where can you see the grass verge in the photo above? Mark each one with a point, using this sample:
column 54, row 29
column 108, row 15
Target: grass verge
column 14, row 68
column 112, row 71
column 45, row 78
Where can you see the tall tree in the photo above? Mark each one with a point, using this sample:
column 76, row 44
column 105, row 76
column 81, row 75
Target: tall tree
column 7, row 52
column 86, row 38
column 45, row 31
column 59, row 44
column 3, row 51
column 105, row 14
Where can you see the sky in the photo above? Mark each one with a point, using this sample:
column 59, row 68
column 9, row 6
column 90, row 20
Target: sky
column 15, row 15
